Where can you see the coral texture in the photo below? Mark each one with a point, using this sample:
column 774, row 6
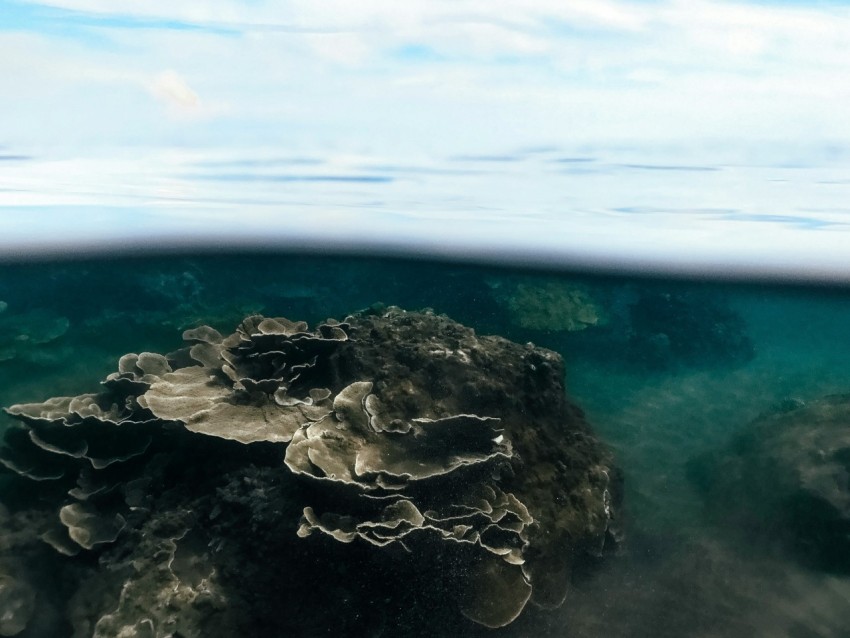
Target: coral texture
column 392, row 431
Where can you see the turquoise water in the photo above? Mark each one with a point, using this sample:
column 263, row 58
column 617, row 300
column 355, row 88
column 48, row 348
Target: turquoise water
column 666, row 371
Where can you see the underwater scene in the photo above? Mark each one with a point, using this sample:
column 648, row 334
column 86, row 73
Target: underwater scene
column 291, row 444
column 516, row 318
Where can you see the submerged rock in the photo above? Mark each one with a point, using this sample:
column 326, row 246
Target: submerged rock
column 25, row 336
column 786, row 478
column 668, row 330
column 403, row 434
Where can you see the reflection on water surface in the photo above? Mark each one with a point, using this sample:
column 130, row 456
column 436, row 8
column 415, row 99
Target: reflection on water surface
column 688, row 210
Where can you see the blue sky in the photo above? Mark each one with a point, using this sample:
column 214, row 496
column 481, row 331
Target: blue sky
column 124, row 103
column 435, row 75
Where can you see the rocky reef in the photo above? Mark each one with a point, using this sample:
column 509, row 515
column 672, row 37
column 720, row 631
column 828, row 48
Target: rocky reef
column 784, row 481
column 282, row 480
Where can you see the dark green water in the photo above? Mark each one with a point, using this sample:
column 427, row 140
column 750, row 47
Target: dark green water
column 666, row 372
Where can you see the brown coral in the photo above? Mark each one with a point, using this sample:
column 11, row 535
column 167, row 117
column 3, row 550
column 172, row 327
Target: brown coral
column 412, row 431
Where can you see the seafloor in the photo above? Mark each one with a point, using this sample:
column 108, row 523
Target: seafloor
column 668, row 373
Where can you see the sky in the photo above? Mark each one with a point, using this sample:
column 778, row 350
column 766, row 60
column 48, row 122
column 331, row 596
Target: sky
column 171, row 116
column 422, row 75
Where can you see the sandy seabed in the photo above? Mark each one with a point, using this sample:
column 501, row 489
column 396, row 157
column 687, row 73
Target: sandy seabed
column 681, row 575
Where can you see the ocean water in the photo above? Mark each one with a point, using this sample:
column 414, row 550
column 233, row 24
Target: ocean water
column 670, row 374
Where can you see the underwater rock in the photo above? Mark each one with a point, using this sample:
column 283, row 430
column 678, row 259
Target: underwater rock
column 24, row 335
column 398, row 430
column 786, row 478
column 670, row 329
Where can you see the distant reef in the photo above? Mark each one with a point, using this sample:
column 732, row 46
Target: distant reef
column 381, row 475
column 784, row 481
column 667, row 330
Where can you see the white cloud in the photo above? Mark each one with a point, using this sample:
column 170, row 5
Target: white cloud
column 507, row 73
column 343, row 14
column 346, row 49
column 173, row 90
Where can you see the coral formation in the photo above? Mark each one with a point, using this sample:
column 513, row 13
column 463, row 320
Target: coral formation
column 17, row 602
column 392, row 430
column 551, row 305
